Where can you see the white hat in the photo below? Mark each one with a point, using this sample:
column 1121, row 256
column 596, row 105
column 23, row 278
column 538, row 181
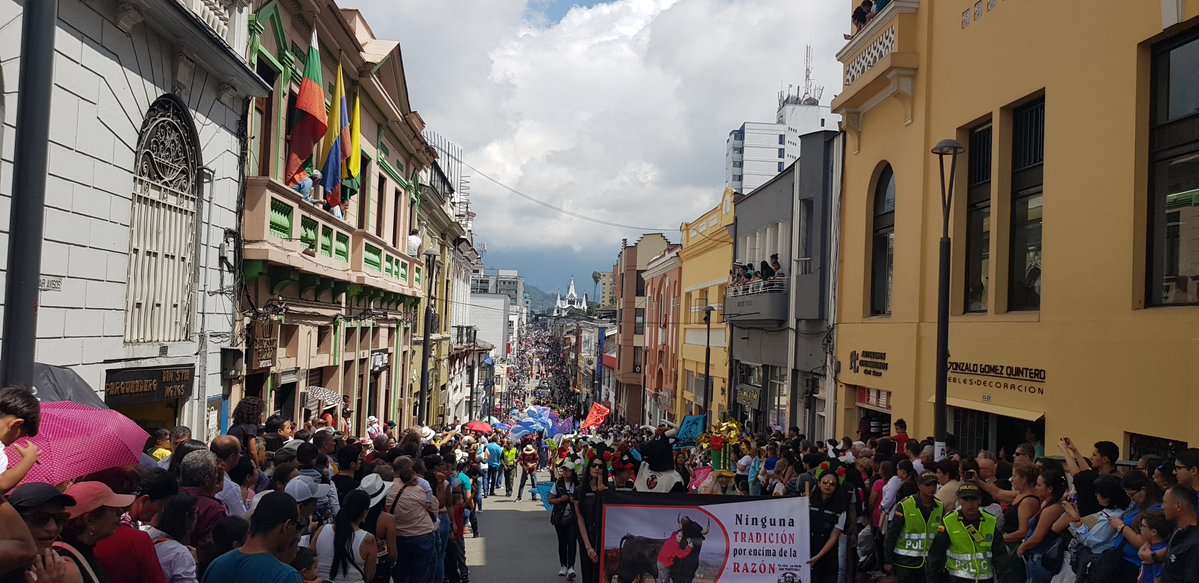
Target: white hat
column 427, row 433
column 375, row 487
column 303, row 489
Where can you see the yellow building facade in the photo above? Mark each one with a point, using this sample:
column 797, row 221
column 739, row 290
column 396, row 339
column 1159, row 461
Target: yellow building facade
column 1075, row 223
column 705, row 260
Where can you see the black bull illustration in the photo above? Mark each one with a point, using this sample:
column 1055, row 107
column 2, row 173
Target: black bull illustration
column 639, row 554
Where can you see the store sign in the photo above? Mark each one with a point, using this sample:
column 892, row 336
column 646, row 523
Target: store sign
column 1004, row 377
column 265, row 344
column 130, row 386
column 379, row 360
column 868, row 362
column 749, row 396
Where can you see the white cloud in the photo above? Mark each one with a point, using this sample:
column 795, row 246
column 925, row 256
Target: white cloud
column 619, row 111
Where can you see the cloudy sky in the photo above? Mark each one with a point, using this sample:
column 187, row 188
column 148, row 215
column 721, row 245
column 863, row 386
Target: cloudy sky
column 616, row 110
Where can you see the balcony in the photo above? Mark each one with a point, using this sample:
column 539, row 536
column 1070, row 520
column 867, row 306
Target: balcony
column 379, row 265
column 280, row 228
column 757, row 304
column 880, row 61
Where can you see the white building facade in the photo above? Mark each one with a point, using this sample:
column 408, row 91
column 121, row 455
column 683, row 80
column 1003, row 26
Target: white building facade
column 758, row 151
column 141, row 199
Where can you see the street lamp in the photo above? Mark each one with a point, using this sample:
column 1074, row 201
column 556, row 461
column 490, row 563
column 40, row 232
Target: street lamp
column 708, row 363
column 951, row 148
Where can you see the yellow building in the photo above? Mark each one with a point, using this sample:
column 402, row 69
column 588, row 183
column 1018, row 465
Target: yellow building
column 1075, row 260
column 706, row 257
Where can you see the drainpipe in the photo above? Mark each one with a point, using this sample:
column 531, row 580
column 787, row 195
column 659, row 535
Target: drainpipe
column 792, row 281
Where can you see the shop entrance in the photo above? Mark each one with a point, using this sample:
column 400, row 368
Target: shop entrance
column 975, row 431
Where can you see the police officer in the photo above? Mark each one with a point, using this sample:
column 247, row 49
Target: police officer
column 911, row 530
column 966, row 545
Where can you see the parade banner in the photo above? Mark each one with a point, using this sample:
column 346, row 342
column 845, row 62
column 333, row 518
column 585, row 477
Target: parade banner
column 704, row 539
column 595, row 417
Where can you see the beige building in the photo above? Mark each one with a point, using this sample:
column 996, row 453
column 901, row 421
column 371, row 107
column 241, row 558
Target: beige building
column 1074, row 308
column 331, row 304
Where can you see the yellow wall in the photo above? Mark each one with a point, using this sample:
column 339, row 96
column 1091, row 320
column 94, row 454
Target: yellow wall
column 1111, row 365
column 705, row 259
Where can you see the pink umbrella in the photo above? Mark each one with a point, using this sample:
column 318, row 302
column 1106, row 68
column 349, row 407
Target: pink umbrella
column 76, row 440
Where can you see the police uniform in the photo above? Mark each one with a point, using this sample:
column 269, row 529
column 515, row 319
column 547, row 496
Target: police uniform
column 964, row 550
column 909, row 537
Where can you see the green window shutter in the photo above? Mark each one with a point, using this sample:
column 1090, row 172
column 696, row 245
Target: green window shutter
column 308, row 232
column 341, row 247
column 372, row 257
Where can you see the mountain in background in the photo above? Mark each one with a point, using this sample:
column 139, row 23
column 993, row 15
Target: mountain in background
column 540, row 302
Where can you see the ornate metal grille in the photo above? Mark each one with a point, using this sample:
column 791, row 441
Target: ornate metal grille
column 163, row 224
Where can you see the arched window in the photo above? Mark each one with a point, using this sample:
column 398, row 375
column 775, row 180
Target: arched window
column 163, row 225
column 882, row 262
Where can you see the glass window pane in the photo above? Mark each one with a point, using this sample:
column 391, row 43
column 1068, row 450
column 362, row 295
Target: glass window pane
column 882, row 267
column 978, row 256
column 1024, row 293
column 884, row 193
column 1175, row 243
column 1184, row 81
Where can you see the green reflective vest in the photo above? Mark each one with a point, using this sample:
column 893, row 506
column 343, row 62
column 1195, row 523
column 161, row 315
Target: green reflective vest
column 917, row 535
column 969, row 553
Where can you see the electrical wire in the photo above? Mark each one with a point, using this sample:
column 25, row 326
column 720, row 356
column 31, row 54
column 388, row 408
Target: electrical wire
column 569, row 213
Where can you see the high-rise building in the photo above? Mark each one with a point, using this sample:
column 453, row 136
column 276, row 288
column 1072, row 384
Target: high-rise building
column 758, row 151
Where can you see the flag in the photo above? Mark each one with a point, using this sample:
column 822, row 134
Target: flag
column 595, row 417
column 311, row 119
column 337, row 143
column 352, row 181
column 690, row 430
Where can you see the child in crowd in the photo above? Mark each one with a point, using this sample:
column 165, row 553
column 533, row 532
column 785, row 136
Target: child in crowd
column 1156, row 530
column 20, row 414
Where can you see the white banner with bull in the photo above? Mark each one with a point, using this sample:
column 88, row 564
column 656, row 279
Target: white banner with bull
column 704, row 539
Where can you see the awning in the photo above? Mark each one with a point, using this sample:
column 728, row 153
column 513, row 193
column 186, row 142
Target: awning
column 320, row 396
column 960, row 403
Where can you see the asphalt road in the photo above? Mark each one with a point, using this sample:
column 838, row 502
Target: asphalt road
column 516, row 543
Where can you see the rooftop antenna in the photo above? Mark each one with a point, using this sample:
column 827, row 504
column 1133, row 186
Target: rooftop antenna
column 810, row 89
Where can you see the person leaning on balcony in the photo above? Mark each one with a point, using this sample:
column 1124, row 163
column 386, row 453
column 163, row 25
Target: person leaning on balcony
column 765, row 270
column 775, row 265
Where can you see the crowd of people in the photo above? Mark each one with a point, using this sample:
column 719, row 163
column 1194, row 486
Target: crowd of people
column 885, row 510
column 742, row 274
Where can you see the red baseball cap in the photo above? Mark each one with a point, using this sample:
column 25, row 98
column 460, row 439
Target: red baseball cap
column 92, row 495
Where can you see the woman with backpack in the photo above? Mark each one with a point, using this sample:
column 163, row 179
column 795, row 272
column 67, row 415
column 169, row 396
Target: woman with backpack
column 563, row 517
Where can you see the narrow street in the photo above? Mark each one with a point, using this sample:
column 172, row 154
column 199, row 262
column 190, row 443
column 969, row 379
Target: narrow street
column 516, row 542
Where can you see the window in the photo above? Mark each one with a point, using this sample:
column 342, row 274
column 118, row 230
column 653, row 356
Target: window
column 162, row 232
column 780, row 166
column 640, row 282
column 639, row 321
column 978, row 217
column 782, row 153
column 736, row 178
column 782, row 139
column 1173, row 274
column 737, row 150
column 380, row 198
column 882, row 262
column 264, row 121
column 397, row 228
column 1028, row 165
column 737, row 164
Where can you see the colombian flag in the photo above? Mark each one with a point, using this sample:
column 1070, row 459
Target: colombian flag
column 312, row 121
column 337, row 143
column 352, row 179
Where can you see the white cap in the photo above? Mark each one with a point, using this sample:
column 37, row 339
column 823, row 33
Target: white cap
column 303, row 489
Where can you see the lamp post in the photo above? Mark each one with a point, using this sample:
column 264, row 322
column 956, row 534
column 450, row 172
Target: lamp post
column 708, row 364
column 430, row 267
column 951, row 148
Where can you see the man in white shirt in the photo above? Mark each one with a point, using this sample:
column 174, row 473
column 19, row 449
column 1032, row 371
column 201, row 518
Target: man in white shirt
column 228, row 450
